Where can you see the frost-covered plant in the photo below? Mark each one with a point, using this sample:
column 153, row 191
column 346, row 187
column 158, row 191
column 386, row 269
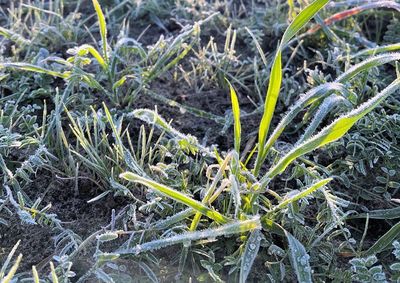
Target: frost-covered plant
column 247, row 185
column 365, row 270
column 395, row 267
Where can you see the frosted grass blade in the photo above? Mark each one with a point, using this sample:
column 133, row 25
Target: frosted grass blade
column 235, row 227
column 34, row 68
column 275, row 79
column 175, row 195
column 303, row 194
column 383, row 242
column 334, row 131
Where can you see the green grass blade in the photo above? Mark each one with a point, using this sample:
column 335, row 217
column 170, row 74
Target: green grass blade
column 103, row 27
column 9, row 257
column 274, row 86
column 236, row 117
column 383, row 242
column 54, row 277
column 12, row 271
column 302, row 19
column 334, row 131
column 324, row 109
column 303, row 194
column 376, row 50
column 35, row 275
column 275, row 79
column 366, row 65
column 14, row 36
column 310, row 97
column 34, row 68
column 176, row 195
column 235, row 227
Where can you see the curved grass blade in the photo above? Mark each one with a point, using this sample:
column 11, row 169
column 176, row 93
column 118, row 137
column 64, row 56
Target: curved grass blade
column 176, row 195
column 366, row 65
column 169, row 221
column 211, row 190
column 326, row 106
column 384, row 241
column 8, row 259
column 375, row 50
column 334, row 131
column 302, row 19
column 19, row 39
column 235, row 227
column 36, row 69
column 153, row 118
column 310, row 97
column 275, row 79
column 103, row 28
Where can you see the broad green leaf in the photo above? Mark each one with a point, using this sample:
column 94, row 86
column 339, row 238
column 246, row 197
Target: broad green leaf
column 384, row 241
column 236, row 117
column 235, row 227
column 299, row 259
column 249, row 255
column 334, row 131
column 103, row 27
column 175, row 195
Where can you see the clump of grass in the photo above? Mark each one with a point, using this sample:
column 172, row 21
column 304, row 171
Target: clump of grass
column 228, row 217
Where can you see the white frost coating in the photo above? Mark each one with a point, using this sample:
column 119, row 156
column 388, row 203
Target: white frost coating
column 367, row 64
column 224, row 230
column 318, row 140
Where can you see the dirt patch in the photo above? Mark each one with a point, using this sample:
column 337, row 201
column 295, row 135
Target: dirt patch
column 37, row 241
